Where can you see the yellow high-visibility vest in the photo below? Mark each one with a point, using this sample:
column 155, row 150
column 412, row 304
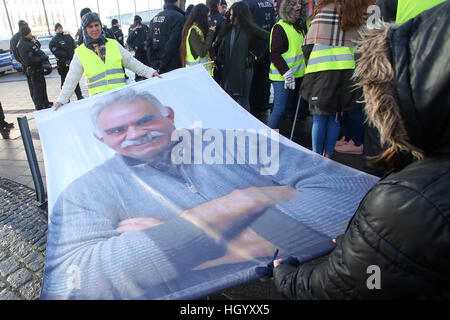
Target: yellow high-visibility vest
column 293, row 57
column 324, row 58
column 408, row 9
column 190, row 61
column 102, row 76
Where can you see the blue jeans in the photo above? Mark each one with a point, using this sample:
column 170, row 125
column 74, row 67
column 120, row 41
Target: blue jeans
column 353, row 125
column 283, row 100
column 325, row 132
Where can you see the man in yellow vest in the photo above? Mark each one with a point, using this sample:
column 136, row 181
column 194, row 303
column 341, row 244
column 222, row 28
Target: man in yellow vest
column 400, row 11
column 101, row 60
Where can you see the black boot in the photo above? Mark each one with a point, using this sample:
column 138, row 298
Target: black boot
column 6, row 125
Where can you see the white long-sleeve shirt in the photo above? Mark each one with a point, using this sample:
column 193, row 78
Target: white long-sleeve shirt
column 76, row 72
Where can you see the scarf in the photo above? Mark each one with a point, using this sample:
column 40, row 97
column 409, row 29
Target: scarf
column 324, row 29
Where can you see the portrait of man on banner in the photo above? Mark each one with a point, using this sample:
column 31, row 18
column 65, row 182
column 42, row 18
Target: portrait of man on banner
column 180, row 212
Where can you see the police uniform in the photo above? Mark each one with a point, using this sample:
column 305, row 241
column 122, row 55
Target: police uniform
column 118, row 35
column 63, row 47
column 137, row 39
column 33, row 58
column 13, row 48
column 263, row 13
column 164, row 38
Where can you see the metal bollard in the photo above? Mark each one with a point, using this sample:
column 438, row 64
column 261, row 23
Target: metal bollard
column 32, row 160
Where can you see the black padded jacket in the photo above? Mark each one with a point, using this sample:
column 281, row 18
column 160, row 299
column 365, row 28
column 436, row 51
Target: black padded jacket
column 402, row 226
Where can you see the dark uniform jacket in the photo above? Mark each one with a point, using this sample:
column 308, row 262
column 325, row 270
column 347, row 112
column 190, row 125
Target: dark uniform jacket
column 164, row 39
column 137, row 38
column 118, row 34
column 13, row 46
column 63, row 47
column 263, row 13
column 402, row 226
column 31, row 53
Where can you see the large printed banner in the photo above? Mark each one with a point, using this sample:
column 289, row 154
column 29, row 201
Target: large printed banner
column 168, row 189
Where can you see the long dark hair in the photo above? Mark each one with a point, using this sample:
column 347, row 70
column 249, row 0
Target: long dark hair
column 198, row 16
column 241, row 13
column 351, row 13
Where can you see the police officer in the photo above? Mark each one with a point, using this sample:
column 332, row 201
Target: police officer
column 34, row 60
column 217, row 20
column 63, row 47
column 13, row 50
column 118, row 34
column 263, row 13
column 164, row 38
column 136, row 41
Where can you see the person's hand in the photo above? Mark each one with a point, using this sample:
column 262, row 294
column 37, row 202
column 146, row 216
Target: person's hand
column 137, row 224
column 337, row 239
column 156, row 74
column 57, row 105
column 218, row 215
column 213, row 28
column 289, row 80
column 136, row 48
column 245, row 247
column 277, row 262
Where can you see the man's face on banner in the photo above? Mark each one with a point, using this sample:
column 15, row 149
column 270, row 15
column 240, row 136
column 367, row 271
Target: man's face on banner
column 136, row 129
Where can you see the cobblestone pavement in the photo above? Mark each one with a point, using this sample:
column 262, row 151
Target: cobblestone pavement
column 23, row 234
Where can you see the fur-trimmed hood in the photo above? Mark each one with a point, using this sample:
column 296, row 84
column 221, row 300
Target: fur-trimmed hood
column 287, row 14
column 406, row 79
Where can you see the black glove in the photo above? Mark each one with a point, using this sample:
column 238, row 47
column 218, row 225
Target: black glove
column 267, row 271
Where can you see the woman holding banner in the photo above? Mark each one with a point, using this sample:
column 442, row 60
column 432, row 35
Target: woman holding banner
column 194, row 45
column 101, row 60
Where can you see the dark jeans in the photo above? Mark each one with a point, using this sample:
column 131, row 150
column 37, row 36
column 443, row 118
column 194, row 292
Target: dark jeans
column 30, row 88
column 39, row 89
column 63, row 70
column 353, row 125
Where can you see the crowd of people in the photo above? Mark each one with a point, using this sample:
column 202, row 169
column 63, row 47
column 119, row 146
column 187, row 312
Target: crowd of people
column 307, row 51
column 249, row 48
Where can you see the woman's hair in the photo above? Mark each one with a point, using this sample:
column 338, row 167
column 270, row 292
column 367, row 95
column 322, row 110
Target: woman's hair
column 375, row 74
column 288, row 15
column 351, row 12
column 199, row 17
column 241, row 14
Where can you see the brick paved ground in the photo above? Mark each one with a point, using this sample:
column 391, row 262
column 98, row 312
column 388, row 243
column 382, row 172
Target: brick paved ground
column 23, row 232
column 23, row 226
